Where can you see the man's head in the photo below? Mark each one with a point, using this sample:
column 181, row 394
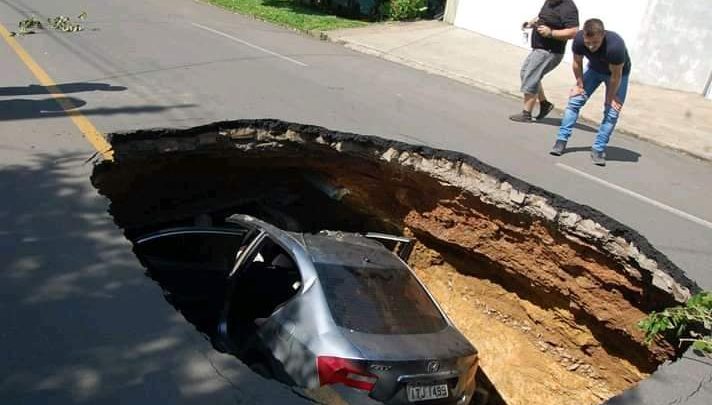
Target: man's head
column 593, row 34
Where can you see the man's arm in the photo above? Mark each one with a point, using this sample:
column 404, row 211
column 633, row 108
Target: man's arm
column 613, row 85
column 564, row 34
column 570, row 17
column 577, row 66
column 561, row 35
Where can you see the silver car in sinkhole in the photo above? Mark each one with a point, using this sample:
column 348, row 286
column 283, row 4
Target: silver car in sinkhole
column 329, row 308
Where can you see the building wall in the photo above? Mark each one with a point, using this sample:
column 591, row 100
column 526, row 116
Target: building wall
column 450, row 11
column 676, row 48
column 670, row 41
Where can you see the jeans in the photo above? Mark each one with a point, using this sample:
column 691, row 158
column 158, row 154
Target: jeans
column 591, row 81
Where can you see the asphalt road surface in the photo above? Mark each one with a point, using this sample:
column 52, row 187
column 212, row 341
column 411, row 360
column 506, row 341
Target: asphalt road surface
column 79, row 321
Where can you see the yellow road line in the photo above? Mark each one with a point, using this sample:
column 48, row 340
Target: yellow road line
column 95, row 138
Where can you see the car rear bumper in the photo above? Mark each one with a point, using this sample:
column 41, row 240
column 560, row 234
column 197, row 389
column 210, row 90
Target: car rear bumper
column 353, row 396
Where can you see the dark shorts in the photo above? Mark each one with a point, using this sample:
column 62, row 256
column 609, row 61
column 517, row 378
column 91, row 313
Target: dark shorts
column 535, row 66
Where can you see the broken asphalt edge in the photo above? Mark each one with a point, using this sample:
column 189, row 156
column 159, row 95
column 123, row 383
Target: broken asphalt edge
column 561, row 204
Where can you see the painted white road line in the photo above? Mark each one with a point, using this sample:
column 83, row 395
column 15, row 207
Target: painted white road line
column 259, row 48
column 639, row 197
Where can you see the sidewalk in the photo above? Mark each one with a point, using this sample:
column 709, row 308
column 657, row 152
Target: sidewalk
column 673, row 119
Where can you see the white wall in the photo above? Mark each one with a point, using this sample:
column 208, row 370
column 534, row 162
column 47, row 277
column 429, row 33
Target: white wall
column 450, row 11
column 499, row 19
column 675, row 49
column 669, row 41
column 502, row 19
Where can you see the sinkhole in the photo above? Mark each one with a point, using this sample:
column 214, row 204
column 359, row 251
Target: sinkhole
column 549, row 291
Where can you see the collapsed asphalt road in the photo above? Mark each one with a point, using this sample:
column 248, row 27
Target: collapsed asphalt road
column 563, row 283
column 67, row 268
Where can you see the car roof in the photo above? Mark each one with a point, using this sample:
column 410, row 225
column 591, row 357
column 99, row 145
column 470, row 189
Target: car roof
column 348, row 249
column 328, row 246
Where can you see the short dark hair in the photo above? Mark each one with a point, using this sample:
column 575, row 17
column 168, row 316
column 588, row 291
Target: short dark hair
column 592, row 27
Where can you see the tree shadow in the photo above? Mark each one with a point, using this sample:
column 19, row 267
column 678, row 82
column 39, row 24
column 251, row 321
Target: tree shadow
column 80, row 321
column 613, row 153
column 64, row 88
column 23, row 109
column 19, row 109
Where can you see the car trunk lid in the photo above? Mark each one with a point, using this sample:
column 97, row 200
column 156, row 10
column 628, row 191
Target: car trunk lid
column 431, row 367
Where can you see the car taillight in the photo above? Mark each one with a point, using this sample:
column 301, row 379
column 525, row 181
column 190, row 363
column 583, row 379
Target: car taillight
column 334, row 370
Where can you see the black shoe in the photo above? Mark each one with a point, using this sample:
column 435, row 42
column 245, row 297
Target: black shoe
column 524, row 116
column 545, row 108
column 598, row 158
column 558, row 148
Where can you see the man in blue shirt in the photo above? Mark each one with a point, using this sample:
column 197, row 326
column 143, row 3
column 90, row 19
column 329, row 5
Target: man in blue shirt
column 609, row 63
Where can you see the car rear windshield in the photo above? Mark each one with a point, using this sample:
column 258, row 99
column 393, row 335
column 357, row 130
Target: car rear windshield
column 377, row 293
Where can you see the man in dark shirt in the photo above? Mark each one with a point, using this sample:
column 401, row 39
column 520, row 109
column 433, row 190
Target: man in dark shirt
column 609, row 63
column 556, row 23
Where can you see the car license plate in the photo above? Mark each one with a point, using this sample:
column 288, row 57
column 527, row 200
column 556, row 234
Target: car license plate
column 421, row 392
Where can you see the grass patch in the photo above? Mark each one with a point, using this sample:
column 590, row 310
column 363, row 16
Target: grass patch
column 289, row 13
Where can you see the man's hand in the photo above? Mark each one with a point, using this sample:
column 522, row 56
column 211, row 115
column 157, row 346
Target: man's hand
column 576, row 91
column 530, row 23
column 544, row 31
column 616, row 104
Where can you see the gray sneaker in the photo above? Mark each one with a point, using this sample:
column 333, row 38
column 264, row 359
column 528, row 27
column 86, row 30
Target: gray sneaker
column 598, row 158
column 558, row 148
column 524, row 116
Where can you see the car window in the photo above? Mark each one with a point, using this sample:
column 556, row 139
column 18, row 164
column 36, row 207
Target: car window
column 378, row 295
column 198, row 250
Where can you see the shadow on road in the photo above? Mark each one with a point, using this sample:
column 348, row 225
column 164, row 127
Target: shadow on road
column 556, row 122
column 80, row 321
column 18, row 109
column 613, row 153
column 63, row 88
column 24, row 109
